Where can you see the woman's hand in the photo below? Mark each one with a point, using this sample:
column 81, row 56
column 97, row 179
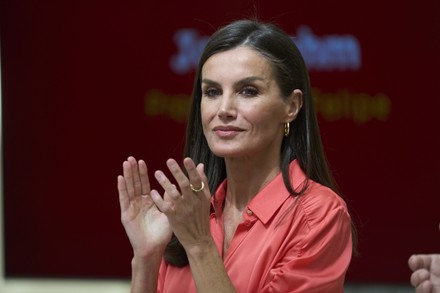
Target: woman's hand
column 187, row 210
column 147, row 228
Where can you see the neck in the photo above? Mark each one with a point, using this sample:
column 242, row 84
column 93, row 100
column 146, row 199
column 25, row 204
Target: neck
column 246, row 177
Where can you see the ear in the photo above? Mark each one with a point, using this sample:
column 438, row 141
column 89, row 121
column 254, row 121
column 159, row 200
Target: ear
column 294, row 104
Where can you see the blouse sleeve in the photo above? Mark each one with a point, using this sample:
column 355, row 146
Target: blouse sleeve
column 320, row 263
column 161, row 278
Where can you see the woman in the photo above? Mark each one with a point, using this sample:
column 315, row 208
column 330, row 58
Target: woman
column 274, row 222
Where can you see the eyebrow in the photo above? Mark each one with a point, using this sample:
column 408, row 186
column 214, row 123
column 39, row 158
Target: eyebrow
column 241, row 82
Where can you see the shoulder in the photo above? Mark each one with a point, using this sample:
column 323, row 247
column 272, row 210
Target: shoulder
column 320, row 202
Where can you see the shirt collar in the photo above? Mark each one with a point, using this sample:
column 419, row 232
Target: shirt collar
column 269, row 199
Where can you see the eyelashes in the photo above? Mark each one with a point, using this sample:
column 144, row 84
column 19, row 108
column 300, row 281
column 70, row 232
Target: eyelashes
column 212, row 92
column 250, row 91
column 246, row 91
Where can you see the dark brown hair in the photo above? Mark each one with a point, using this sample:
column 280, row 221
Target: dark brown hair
column 303, row 142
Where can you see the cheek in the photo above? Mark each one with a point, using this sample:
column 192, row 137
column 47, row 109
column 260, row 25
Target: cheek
column 205, row 114
column 259, row 115
column 264, row 118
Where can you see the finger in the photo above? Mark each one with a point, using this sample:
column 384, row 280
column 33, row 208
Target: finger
column 145, row 182
column 166, row 184
column 163, row 206
column 201, row 170
column 425, row 287
column 124, row 200
column 419, row 261
column 136, row 177
column 419, row 276
column 179, row 175
column 129, row 182
column 193, row 174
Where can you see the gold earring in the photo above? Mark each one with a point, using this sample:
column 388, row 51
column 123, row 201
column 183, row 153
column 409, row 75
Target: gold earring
column 286, row 129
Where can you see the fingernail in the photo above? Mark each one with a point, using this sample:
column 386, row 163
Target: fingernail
column 154, row 194
column 159, row 175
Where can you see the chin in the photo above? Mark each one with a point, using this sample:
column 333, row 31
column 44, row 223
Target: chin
column 230, row 152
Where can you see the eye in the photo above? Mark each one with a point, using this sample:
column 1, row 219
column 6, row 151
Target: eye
column 212, row 92
column 249, row 91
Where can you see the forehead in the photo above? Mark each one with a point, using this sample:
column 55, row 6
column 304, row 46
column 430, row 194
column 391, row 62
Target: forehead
column 236, row 63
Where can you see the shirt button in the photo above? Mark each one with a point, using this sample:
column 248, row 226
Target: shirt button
column 249, row 212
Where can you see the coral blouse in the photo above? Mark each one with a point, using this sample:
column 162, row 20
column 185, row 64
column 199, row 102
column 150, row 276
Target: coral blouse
column 284, row 243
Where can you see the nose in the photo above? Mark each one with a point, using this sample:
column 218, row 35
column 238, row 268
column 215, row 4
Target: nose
column 227, row 107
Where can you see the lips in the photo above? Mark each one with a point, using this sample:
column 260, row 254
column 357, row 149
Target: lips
column 227, row 128
column 227, row 131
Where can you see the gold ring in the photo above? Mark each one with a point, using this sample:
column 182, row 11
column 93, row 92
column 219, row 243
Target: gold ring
column 197, row 189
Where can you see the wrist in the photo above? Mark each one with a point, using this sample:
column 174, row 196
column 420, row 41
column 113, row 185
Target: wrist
column 145, row 272
column 141, row 258
column 201, row 248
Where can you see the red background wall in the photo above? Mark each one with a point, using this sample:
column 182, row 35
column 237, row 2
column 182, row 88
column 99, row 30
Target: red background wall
column 79, row 82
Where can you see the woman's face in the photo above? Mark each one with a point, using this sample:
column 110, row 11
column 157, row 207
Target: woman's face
column 243, row 112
